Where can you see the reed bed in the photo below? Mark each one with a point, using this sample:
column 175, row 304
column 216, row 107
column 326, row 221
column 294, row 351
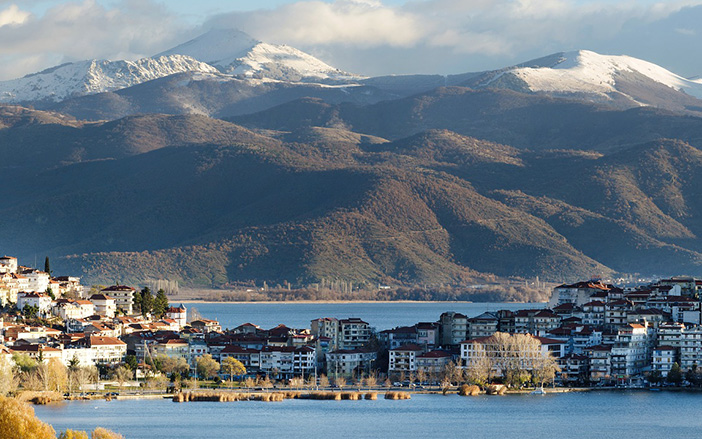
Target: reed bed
column 398, row 395
column 371, row 396
column 351, row 396
column 40, row 398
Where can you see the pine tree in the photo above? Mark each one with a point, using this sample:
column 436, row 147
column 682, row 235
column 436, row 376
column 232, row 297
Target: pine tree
column 47, row 266
column 147, row 301
column 160, row 303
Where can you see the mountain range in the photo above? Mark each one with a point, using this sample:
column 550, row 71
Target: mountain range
column 228, row 160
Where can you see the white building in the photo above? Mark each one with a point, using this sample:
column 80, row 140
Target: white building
column 123, row 295
column 104, row 305
column 38, row 281
column 404, row 359
column 39, row 300
column 179, row 314
column 691, row 348
column 108, row 350
column 73, row 309
column 347, row 361
column 8, row 264
column 663, row 359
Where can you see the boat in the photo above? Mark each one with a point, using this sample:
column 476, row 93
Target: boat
column 539, row 391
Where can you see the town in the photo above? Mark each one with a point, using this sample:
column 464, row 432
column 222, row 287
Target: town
column 590, row 334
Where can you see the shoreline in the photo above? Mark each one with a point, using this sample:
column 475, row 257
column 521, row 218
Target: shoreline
column 330, row 302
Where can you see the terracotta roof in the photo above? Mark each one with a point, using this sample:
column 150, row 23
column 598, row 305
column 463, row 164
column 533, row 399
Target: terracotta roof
column 98, row 340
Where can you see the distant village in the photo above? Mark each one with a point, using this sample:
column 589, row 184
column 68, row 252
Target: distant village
column 590, row 334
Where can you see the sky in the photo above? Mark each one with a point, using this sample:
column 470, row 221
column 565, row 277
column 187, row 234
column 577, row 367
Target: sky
column 371, row 37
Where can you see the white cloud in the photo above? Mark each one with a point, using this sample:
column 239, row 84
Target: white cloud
column 79, row 30
column 13, row 15
column 366, row 36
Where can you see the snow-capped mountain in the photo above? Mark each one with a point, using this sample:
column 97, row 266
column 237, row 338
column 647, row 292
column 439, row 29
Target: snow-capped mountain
column 95, row 76
column 589, row 75
column 235, row 53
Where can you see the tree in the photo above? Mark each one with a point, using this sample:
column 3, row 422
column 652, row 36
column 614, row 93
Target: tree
column 47, row 266
column 207, row 367
column 50, row 293
column 121, row 374
column 655, row 377
column 56, row 376
column 131, row 362
column 160, row 304
column 480, row 367
column 323, row 381
column 8, row 379
column 147, row 301
column 17, row 421
column 371, row 381
column 101, row 433
column 249, row 382
column 70, row 434
column 544, row 369
column 170, row 365
column 232, row 366
column 340, row 382
column 675, row 375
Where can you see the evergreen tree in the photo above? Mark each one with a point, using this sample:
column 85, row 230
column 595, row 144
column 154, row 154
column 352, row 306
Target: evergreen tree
column 137, row 301
column 675, row 375
column 147, row 301
column 47, row 266
column 160, row 303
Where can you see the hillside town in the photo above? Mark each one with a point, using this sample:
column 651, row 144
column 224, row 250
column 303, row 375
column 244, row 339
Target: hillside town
column 589, row 334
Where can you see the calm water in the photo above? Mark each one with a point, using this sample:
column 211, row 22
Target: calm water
column 381, row 316
column 599, row 415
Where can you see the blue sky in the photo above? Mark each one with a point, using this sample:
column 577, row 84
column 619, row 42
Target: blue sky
column 372, row 37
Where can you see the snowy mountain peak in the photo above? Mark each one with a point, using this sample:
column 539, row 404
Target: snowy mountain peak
column 95, row 76
column 584, row 71
column 234, row 52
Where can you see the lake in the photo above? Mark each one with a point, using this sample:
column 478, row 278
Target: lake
column 597, row 415
column 380, row 315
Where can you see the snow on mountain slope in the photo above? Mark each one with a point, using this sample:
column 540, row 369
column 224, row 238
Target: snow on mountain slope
column 94, row 76
column 589, row 72
column 236, row 53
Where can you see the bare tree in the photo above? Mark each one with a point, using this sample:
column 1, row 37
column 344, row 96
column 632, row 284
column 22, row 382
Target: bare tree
column 323, row 381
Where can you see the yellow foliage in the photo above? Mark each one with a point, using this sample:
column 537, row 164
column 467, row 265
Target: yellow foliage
column 102, row 433
column 17, row 421
column 70, row 434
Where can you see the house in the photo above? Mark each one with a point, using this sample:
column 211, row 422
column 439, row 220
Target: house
column 41, row 301
column 73, row 309
column 108, row 350
column 173, row 348
column 691, row 348
column 483, row 325
column 250, row 358
column 393, row 338
column 594, row 313
column 474, row 351
column 663, row 359
column 631, row 351
column 346, row 362
column 453, row 328
column 404, row 359
column 179, row 314
column 600, row 362
column 206, row 325
column 578, row 293
column 327, row 327
column 353, row 333
column 8, row 264
column 105, row 305
column 38, row 281
column 37, row 352
column 574, row 368
column 433, row 362
column 123, row 295
column 428, row 334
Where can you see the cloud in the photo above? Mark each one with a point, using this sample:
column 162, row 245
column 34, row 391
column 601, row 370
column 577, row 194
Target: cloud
column 502, row 30
column 79, row 30
column 364, row 23
column 13, row 15
column 367, row 36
